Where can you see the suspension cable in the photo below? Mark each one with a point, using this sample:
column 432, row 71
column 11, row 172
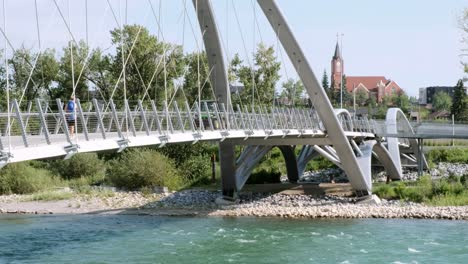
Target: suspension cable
column 124, row 66
column 72, row 61
column 7, row 80
column 245, row 46
column 65, row 22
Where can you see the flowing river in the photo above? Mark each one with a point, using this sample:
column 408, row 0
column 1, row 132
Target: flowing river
column 155, row 239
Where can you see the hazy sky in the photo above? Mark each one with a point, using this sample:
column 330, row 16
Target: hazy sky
column 414, row 42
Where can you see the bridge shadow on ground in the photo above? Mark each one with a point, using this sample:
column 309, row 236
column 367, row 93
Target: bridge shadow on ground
column 201, row 201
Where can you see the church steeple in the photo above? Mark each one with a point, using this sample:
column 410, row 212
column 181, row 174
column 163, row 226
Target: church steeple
column 337, row 51
column 337, row 67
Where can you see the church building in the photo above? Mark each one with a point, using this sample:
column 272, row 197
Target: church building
column 376, row 86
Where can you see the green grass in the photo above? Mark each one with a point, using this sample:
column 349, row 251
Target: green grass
column 452, row 191
column 453, row 155
column 449, row 200
column 49, row 196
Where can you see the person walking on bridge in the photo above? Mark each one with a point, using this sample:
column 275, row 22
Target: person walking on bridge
column 70, row 110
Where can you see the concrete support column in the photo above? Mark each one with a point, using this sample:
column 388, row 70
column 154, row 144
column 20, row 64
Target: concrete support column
column 227, row 160
column 421, row 160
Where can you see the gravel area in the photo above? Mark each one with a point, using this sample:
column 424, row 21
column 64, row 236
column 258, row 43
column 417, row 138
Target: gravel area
column 78, row 204
column 301, row 206
column 441, row 170
column 202, row 202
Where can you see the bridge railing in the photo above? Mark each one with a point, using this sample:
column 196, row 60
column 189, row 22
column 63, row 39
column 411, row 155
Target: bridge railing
column 44, row 122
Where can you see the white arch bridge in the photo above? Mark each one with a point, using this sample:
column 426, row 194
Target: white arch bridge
column 40, row 130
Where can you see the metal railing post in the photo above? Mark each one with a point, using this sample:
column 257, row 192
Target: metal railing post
column 130, row 118
column 64, row 120
column 189, row 114
column 20, row 122
column 99, row 118
column 143, row 117
column 116, row 118
column 156, row 116
column 179, row 117
column 43, row 121
column 210, row 122
column 83, row 121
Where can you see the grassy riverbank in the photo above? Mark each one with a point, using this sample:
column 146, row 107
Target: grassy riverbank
column 452, row 191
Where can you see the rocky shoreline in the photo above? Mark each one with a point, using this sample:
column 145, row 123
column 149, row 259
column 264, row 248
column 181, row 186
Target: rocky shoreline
column 202, row 202
column 303, row 206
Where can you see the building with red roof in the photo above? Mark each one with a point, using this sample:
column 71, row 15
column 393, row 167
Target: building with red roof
column 376, row 86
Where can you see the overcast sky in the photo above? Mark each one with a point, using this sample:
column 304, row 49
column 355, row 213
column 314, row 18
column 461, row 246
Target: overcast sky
column 414, row 42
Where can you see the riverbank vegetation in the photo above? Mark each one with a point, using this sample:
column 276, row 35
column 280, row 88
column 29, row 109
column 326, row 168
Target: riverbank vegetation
column 182, row 166
column 439, row 192
column 132, row 169
column 442, row 192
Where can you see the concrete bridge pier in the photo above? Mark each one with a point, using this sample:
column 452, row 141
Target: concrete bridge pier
column 235, row 171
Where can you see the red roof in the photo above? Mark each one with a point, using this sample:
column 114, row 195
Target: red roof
column 370, row 82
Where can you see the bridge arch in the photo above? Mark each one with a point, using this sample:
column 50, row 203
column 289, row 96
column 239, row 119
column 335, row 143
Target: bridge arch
column 252, row 155
column 396, row 122
column 344, row 117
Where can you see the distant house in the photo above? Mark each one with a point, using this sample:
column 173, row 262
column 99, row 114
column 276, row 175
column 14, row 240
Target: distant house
column 376, row 86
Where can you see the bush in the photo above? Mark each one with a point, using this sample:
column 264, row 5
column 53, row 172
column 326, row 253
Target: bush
column 81, row 165
column 455, row 155
column 385, row 191
column 139, row 168
column 320, row 163
column 196, row 170
column 264, row 175
column 180, row 153
column 464, row 180
column 21, row 178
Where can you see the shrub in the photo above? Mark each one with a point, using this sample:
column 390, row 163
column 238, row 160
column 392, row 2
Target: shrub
column 139, row 168
column 319, row 163
column 183, row 152
column 385, row 191
column 81, row 165
column 464, row 180
column 196, row 170
column 264, row 175
column 21, row 178
column 449, row 155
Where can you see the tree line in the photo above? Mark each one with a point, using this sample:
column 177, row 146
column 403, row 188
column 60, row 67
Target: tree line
column 153, row 69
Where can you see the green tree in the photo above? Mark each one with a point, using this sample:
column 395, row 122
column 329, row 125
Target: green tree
column 459, row 105
column 347, row 96
column 362, row 96
column 442, row 101
column 153, row 65
column 292, row 91
column 100, row 74
column 403, row 102
column 326, row 85
column 464, row 28
column 3, row 103
column 73, row 74
column 33, row 74
column 260, row 81
column 198, row 77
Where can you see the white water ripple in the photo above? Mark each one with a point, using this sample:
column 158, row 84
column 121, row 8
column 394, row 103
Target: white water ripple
column 245, row 241
column 412, row 250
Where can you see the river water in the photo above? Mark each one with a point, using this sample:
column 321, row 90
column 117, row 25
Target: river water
column 154, row 239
